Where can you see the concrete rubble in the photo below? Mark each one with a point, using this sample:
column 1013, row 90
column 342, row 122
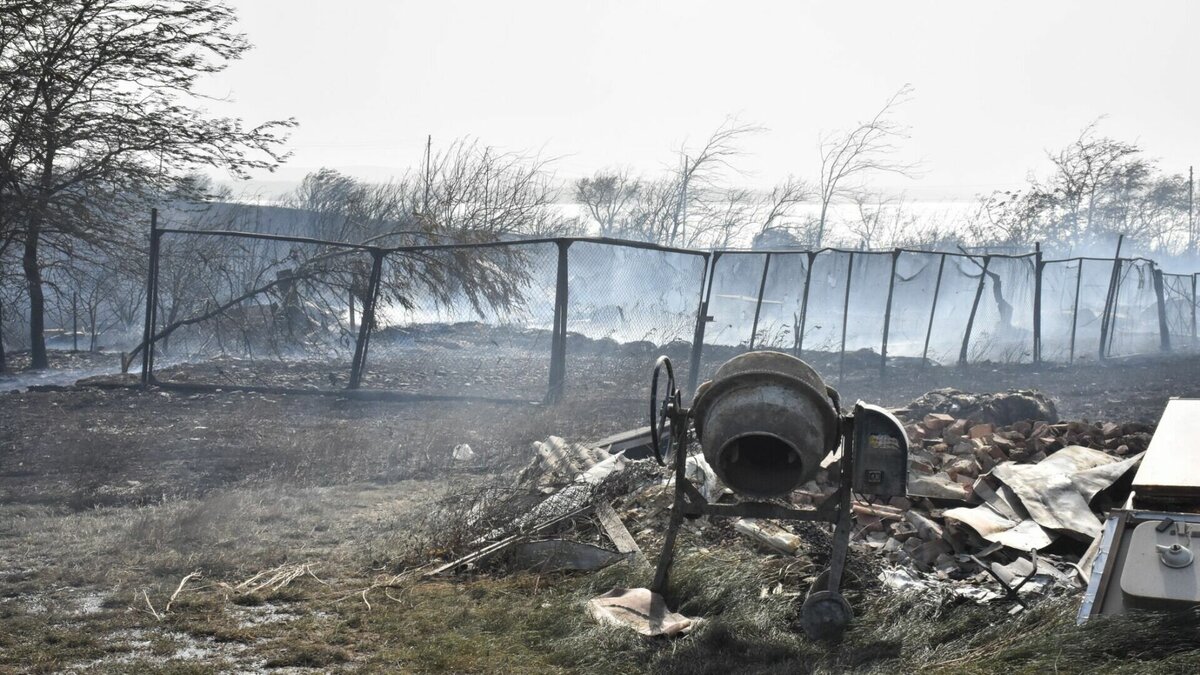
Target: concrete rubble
column 999, row 490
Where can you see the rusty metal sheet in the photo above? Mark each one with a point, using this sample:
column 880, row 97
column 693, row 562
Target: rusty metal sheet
column 1057, row 490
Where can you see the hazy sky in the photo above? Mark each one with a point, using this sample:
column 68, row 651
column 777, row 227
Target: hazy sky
column 603, row 84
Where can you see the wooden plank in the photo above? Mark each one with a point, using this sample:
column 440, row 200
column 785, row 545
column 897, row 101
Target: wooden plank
column 616, row 531
column 1171, row 467
column 494, row 548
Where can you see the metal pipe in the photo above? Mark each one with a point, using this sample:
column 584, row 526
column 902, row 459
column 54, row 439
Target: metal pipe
column 1164, row 331
column 799, row 339
column 962, row 354
column 151, row 298
column 367, row 321
column 887, row 314
column 845, row 318
column 1075, row 309
column 1037, row 304
column 937, row 287
column 762, row 286
column 558, row 340
column 702, row 319
column 1110, row 299
column 1193, row 310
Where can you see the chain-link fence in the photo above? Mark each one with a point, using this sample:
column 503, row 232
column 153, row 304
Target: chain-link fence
column 547, row 318
column 520, row 320
column 1179, row 308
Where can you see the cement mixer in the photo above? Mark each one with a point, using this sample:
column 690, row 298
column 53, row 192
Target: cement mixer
column 765, row 423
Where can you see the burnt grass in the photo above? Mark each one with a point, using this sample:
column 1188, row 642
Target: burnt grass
column 109, row 497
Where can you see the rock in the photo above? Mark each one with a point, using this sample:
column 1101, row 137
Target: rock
column 981, row 431
column 955, row 432
column 1000, row 409
column 937, row 421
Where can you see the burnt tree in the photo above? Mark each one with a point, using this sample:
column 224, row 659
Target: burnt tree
column 99, row 96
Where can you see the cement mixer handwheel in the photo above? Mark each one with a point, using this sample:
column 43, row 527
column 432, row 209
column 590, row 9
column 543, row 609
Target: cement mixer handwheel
column 659, row 410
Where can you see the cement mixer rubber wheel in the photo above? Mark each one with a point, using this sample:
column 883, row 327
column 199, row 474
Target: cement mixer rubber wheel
column 825, row 615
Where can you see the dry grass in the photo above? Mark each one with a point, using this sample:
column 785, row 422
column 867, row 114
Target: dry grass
column 309, row 578
column 300, row 517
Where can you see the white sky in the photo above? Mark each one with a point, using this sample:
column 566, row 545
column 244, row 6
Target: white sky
column 604, row 84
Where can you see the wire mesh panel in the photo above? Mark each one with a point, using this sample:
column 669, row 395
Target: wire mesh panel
column 732, row 297
column 239, row 309
column 736, row 279
column 865, row 313
column 466, row 321
column 1095, row 277
column 955, row 296
column 1178, row 305
column 1059, row 280
column 826, row 300
column 626, row 305
column 1134, row 328
column 251, row 312
column 916, row 283
column 1003, row 327
column 779, row 316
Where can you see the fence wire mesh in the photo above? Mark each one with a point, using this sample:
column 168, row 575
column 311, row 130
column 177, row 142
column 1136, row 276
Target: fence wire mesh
column 1003, row 327
column 1179, row 306
column 626, row 305
column 1134, row 327
column 464, row 322
column 492, row 320
column 917, row 281
column 252, row 312
column 955, row 298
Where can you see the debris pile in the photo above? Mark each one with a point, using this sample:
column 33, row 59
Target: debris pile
column 994, row 479
column 1003, row 499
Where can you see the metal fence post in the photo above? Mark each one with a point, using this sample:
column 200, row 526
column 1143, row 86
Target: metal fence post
column 937, row 288
column 762, row 286
column 558, row 340
column 1075, row 308
column 887, row 315
column 1194, row 310
column 845, row 318
column 702, row 318
column 1110, row 300
column 1037, row 304
column 151, row 301
column 966, row 343
column 1164, row 331
column 366, row 320
column 799, row 337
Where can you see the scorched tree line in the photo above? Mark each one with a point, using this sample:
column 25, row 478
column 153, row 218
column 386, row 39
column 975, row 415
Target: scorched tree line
column 99, row 114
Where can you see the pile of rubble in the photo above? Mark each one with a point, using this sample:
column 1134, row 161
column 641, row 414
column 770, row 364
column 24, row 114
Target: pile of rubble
column 1001, row 496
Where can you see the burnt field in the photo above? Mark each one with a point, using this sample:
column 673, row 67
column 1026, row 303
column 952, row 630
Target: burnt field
column 201, row 531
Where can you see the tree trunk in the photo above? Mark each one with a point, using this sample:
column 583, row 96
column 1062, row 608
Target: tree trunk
column 37, row 300
column 3, row 359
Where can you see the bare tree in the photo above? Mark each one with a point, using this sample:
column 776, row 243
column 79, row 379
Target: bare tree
column 877, row 215
column 782, row 201
column 608, row 197
column 699, row 172
column 869, row 148
column 99, row 95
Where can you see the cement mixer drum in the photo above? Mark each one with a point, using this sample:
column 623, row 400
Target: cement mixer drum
column 765, row 421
